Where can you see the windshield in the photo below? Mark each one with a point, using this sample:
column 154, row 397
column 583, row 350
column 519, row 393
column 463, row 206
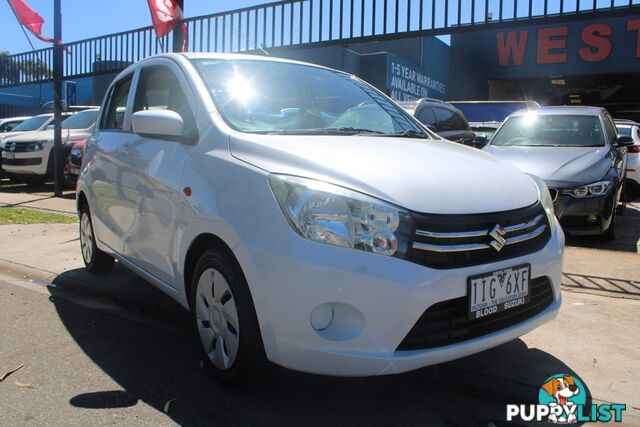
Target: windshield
column 488, row 111
column 81, row 120
column 624, row 130
column 550, row 131
column 34, row 123
column 276, row 97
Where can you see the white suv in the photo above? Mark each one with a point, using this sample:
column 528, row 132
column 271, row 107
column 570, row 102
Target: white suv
column 304, row 218
column 30, row 155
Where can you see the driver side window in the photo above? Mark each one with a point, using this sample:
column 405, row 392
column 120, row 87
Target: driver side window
column 160, row 89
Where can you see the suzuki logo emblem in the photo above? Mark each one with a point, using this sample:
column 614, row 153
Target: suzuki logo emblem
column 498, row 233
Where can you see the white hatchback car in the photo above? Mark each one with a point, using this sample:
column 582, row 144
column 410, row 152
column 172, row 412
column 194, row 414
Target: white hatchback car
column 304, row 218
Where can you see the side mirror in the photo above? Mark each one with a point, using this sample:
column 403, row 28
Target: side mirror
column 158, row 123
column 480, row 141
column 624, row 141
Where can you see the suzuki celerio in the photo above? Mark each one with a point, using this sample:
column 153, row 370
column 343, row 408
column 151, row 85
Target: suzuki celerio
column 304, row 218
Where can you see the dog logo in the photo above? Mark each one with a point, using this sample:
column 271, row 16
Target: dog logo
column 562, row 399
column 562, row 393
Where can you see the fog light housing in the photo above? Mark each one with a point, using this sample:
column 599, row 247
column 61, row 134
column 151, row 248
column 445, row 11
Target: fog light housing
column 321, row 317
column 592, row 218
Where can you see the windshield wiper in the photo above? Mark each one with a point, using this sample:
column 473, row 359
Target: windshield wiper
column 350, row 130
column 410, row 133
column 346, row 130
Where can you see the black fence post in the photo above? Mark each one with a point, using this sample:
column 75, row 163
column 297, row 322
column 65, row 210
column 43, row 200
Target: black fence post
column 177, row 31
column 57, row 95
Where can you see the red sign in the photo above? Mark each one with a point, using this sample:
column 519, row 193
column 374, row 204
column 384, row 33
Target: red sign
column 551, row 45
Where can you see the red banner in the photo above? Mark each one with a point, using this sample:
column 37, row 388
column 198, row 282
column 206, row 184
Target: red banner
column 165, row 14
column 30, row 19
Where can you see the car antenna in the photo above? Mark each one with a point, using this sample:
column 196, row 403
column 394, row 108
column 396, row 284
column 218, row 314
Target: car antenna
column 264, row 50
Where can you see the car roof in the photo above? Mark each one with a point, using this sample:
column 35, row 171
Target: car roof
column 233, row 56
column 563, row 110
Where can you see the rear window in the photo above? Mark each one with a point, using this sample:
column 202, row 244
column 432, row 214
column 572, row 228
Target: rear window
column 624, row 130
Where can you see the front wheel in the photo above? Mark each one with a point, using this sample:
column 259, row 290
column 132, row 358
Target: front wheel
column 610, row 234
column 95, row 260
column 225, row 320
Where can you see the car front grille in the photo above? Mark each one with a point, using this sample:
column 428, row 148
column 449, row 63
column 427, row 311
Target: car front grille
column 34, row 161
column 453, row 241
column 21, row 147
column 447, row 323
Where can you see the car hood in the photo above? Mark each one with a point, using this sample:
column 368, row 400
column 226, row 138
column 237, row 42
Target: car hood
column 7, row 135
column 558, row 166
column 424, row 176
column 47, row 135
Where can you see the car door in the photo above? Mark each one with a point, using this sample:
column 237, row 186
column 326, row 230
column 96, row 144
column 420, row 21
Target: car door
column 111, row 213
column 451, row 125
column 156, row 166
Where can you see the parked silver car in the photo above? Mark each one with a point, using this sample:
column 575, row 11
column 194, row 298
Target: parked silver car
column 578, row 153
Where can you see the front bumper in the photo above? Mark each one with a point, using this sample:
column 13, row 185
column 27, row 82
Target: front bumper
column 30, row 163
column 573, row 213
column 378, row 300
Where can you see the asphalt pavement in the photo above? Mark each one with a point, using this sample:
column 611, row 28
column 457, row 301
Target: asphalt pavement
column 114, row 350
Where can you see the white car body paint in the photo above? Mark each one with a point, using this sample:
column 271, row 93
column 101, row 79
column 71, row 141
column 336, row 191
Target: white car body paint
column 134, row 186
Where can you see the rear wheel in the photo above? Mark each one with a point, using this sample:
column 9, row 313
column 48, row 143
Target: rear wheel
column 225, row 320
column 95, row 260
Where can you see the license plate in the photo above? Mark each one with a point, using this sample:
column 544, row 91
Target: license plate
column 8, row 155
column 499, row 290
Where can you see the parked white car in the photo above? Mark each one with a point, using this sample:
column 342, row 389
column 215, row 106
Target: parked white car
column 364, row 248
column 30, row 156
column 7, row 124
column 34, row 124
column 633, row 151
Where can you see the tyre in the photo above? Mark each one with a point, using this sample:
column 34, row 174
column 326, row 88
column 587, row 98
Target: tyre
column 610, row 234
column 96, row 261
column 225, row 320
column 624, row 197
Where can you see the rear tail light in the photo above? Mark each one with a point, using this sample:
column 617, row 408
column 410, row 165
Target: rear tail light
column 633, row 148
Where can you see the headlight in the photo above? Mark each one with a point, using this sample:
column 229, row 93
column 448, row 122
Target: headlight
column 35, row 146
column 546, row 200
column 591, row 190
column 337, row 216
